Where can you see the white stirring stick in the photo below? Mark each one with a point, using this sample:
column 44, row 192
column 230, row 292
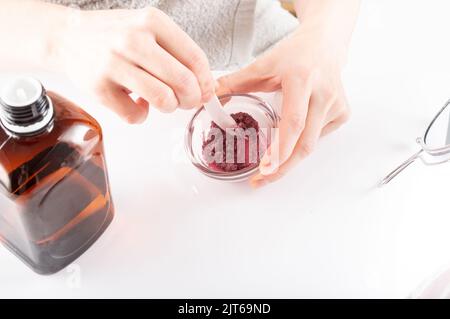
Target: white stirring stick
column 218, row 114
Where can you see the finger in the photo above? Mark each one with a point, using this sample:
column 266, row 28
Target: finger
column 335, row 119
column 333, row 125
column 142, row 103
column 259, row 180
column 184, row 49
column 157, row 93
column 309, row 137
column 306, row 144
column 122, row 104
column 248, row 79
column 296, row 95
column 163, row 66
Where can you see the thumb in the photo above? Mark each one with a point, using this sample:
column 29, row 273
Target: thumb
column 242, row 81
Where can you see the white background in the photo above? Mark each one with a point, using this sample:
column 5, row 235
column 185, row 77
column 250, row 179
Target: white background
column 325, row 230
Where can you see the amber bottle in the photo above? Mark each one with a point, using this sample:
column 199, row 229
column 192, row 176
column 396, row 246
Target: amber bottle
column 55, row 199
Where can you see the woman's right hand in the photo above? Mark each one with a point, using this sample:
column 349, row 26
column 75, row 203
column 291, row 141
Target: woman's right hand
column 118, row 52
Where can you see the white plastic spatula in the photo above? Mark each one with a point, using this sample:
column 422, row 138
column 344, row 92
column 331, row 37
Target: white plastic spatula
column 218, row 114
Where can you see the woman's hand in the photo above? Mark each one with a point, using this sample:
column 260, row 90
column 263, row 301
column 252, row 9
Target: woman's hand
column 118, row 52
column 306, row 67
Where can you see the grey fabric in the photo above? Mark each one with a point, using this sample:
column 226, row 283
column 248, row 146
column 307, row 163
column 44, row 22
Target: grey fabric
column 213, row 24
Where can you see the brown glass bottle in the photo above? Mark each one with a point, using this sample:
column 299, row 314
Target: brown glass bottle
column 55, row 199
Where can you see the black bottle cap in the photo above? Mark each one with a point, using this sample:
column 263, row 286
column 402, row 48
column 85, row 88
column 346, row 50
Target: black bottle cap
column 25, row 107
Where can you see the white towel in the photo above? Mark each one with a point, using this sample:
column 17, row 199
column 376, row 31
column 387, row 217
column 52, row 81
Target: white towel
column 230, row 32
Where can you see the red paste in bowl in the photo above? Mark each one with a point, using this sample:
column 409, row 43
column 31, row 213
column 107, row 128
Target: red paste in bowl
column 235, row 149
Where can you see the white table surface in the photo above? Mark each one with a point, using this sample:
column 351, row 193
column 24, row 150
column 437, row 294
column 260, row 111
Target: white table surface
column 325, row 230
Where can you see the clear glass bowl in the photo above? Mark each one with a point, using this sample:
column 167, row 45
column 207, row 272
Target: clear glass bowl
column 200, row 123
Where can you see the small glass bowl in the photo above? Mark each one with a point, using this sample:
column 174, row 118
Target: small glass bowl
column 200, row 123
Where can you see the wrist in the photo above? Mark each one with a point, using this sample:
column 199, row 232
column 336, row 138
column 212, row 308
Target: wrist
column 331, row 21
column 330, row 43
column 57, row 46
column 328, row 28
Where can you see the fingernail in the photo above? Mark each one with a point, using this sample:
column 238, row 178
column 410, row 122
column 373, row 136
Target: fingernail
column 265, row 161
column 136, row 119
column 267, row 168
column 258, row 182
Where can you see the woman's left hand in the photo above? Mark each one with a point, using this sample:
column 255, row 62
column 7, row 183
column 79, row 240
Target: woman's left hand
column 306, row 67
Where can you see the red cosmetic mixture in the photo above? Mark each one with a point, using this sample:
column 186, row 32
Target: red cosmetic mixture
column 219, row 144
